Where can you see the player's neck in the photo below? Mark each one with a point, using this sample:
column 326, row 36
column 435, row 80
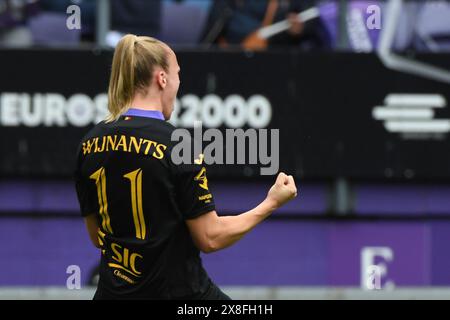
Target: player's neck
column 147, row 103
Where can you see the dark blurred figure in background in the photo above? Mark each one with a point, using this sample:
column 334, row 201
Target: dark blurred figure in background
column 13, row 18
column 234, row 22
column 140, row 17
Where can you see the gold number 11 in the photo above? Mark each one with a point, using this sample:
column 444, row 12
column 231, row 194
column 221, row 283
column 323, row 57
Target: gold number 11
column 135, row 179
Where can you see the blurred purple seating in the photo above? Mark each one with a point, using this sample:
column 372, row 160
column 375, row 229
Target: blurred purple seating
column 182, row 23
column 328, row 15
column 433, row 25
column 50, row 29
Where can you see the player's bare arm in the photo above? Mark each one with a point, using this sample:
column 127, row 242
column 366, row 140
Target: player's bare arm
column 212, row 233
column 92, row 226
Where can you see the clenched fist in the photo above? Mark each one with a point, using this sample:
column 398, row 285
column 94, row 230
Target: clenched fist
column 283, row 190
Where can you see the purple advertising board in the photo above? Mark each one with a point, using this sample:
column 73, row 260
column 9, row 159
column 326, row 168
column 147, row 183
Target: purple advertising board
column 38, row 251
column 440, row 253
column 402, row 247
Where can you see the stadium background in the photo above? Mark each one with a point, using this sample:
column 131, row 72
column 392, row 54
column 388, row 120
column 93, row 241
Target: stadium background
column 373, row 186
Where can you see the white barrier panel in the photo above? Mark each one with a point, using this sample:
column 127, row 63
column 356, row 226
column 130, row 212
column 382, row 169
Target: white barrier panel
column 253, row 293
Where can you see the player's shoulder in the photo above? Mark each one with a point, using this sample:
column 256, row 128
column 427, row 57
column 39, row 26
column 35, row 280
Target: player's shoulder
column 166, row 128
column 159, row 129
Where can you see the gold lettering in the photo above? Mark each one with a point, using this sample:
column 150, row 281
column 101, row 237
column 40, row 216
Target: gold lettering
column 205, row 197
column 118, row 256
column 126, row 261
column 122, row 143
column 160, row 153
column 96, row 145
column 126, row 253
column 87, row 147
column 111, row 143
column 133, row 262
column 133, row 142
column 124, row 277
column 149, row 144
column 102, row 148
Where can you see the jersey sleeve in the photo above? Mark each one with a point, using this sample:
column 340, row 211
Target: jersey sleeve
column 86, row 192
column 193, row 195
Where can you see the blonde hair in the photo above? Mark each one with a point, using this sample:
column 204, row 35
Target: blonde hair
column 135, row 59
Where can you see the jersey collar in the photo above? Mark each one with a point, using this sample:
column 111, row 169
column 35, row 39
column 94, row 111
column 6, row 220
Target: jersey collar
column 144, row 113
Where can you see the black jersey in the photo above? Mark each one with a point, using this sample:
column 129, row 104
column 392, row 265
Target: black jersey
column 126, row 176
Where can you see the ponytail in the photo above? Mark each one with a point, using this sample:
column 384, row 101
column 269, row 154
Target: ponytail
column 132, row 69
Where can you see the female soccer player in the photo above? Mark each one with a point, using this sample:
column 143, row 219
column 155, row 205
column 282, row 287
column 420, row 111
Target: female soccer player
column 149, row 217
